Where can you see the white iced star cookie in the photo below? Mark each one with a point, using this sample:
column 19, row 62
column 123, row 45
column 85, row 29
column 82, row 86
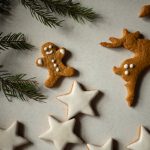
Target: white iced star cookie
column 60, row 133
column 107, row 146
column 9, row 139
column 78, row 101
column 143, row 141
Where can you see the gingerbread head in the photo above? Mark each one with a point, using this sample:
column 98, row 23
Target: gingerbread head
column 52, row 60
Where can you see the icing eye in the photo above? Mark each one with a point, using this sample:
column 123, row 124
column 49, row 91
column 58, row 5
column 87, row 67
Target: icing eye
column 126, row 66
column 126, row 72
column 132, row 65
column 50, row 46
column 45, row 48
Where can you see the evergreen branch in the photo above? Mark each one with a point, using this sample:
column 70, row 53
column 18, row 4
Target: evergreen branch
column 14, row 40
column 4, row 7
column 72, row 9
column 19, row 87
column 41, row 13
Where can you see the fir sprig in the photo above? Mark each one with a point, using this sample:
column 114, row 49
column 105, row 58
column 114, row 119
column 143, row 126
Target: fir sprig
column 20, row 87
column 45, row 10
column 41, row 13
column 14, row 40
column 5, row 7
column 72, row 9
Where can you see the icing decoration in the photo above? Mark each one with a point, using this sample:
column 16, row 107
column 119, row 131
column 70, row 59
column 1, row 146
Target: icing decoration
column 131, row 66
column 9, row 139
column 143, row 141
column 62, row 51
column 126, row 72
column 45, row 48
column 60, row 133
column 78, row 101
column 126, row 66
column 39, row 61
column 107, row 146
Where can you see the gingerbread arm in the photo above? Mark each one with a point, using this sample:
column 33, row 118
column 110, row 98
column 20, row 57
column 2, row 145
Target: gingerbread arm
column 41, row 62
column 60, row 53
column 114, row 43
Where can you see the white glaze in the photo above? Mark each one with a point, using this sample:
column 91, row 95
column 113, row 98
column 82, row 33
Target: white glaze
column 55, row 65
column 107, row 146
column 39, row 61
column 132, row 66
column 126, row 66
column 62, row 51
column 126, row 72
column 60, row 133
column 45, row 48
column 9, row 139
column 49, row 52
column 52, row 60
column 78, row 100
column 57, row 69
column 50, row 46
column 143, row 142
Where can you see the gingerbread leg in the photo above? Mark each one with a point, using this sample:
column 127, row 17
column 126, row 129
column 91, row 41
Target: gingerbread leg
column 50, row 82
column 131, row 86
column 68, row 71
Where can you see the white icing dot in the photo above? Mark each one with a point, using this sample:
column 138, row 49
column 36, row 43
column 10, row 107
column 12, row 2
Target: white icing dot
column 57, row 69
column 39, row 61
column 126, row 72
column 62, row 51
column 45, row 48
column 131, row 65
column 52, row 60
column 55, row 65
column 126, row 66
column 50, row 46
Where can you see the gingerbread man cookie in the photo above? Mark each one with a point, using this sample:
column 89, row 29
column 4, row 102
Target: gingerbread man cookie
column 131, row 68
column 52, row 60
column 145, row 11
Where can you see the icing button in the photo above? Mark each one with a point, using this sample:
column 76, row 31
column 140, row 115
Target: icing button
column 126, row 66
column 126, row 72
column 55, row 65
column 57, row 69
column 52, row 60
column 62, row 51
column 131, row 65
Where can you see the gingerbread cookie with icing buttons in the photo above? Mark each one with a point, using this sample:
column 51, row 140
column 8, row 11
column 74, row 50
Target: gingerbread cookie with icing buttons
column 52, row 60
column 131, row 68
column 145, row 11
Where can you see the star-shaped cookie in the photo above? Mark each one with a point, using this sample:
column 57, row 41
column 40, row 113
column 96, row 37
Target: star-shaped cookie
column 143, row 141
column 60, row 133
column 78, row 101
column 107, row 146
column 9, row 139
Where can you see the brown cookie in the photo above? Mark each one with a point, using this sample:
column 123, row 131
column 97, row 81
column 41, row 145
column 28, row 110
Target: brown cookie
column 52, row 60
column 145, row 11
column 131, row 68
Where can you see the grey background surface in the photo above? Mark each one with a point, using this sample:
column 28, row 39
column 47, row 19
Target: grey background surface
column 94, row 63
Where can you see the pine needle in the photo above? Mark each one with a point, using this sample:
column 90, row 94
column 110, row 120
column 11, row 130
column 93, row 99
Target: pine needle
column 5, row 7
column 14, row 40
column 72, row 9
column 19, row 87
column 41, row 13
